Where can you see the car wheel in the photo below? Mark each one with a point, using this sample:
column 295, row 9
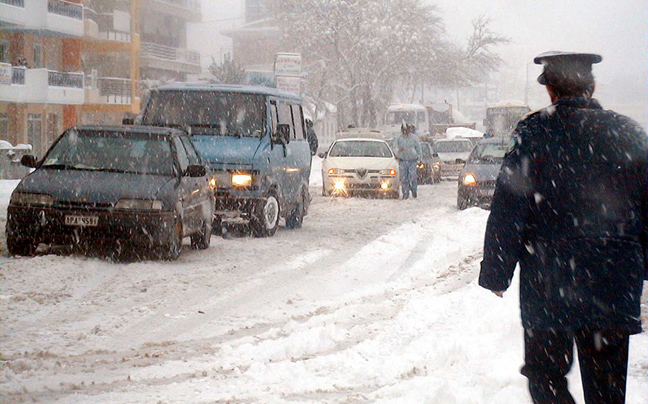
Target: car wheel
column 217, row 226
column 296, row 218
column 202, row 240
column 462, row 203
column 265, row 218
column 15, row 246
column 394, row 195
column 171, row 250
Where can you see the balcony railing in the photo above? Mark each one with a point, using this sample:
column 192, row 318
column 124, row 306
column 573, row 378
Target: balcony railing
column 114, row 90
column 18, row 75
column 65, row 9
column 168, row 53
column 62, row 79
column 16, row 3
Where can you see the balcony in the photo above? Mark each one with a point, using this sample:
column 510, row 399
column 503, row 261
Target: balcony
column 108, row 91
column 58, row 17
column 168, row 58
column 43, row 86
column 188, row 10
column 113, row 26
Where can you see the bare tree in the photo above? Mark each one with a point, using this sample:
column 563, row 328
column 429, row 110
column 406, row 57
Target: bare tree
column 359, row 51
column 227, row 72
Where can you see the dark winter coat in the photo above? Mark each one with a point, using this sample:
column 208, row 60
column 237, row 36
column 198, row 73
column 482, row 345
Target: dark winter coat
column 312, row 140
column 570, row 207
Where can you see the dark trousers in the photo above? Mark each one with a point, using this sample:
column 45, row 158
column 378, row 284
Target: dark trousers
column 603, row 360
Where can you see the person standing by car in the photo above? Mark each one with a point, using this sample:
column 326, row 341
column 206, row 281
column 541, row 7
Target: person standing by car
column 570, row 207
column 311, row 136
column 408, row 152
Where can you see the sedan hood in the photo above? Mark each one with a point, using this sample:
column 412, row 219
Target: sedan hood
column 93, row 186
column 221, row 151
column 370, row 163
column 483, row 172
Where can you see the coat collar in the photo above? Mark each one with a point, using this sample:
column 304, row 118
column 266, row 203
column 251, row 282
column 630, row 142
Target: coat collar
column 578, row 102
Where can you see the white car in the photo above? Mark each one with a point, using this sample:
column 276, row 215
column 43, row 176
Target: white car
column 358, row 166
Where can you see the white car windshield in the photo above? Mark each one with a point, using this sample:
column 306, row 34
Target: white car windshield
column 360, row 149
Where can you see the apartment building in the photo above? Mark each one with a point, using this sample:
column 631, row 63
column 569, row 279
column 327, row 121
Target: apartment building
column 67, row 62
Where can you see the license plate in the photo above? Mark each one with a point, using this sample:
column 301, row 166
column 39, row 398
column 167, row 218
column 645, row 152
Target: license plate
column 81, row 220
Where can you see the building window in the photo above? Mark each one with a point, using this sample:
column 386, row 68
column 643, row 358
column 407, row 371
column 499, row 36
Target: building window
column 38, row 55
column 4, row 126
column 35, row 132
column 52, row 128
column 4, row 51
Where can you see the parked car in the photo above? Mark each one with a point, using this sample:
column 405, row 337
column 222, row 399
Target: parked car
column 429, row 169
column 453, row 154
column 354, row 166
column 479, row 176
column 136, row 186
column 254, row 141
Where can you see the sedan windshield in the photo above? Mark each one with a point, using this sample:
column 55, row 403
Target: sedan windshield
column 453, row 147
column 360, row 149
column 218, row 113
column 111, row 151
column 488, row 152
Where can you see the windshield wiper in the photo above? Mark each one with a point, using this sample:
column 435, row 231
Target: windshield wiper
column 61, row 167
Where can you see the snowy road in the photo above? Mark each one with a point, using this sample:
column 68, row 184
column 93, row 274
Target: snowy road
column 372, row 301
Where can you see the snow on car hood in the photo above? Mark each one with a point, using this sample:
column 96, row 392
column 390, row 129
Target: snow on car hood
column 370, row 163
column 93, row 186
column 453, row 156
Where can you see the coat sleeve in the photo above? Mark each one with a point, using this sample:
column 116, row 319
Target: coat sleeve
column 504, row 239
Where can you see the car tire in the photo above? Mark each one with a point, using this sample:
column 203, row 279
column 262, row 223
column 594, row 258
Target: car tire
column 202, row 240
column 462, row 203
column 296, row 218
column 394, row 195
column 265, row 218
column 23, row 247
column 217, row 226
column 171, row 250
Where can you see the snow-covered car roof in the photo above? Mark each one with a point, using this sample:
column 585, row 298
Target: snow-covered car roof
column 227, row 88
column 406, row 107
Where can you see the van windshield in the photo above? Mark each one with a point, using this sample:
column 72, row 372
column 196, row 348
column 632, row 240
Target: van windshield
column 217, row 113
column 401, row 117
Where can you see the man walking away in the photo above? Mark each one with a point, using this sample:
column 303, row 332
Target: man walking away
column 408, row 153
column 570, row 208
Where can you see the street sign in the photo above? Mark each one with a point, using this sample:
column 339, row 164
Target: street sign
column 289, row 83
column 287, row 64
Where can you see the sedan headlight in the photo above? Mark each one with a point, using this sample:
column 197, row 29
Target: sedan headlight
column 469, row 179
column 388, row 171
column 138, row 204
column 25, row 198
column 241, row 180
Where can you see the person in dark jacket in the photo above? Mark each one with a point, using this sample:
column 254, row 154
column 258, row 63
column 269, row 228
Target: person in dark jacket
column 312, row 137
column 570, row 208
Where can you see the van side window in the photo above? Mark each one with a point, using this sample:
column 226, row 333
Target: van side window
column 273, row 116
column 191, row 152
column 182, row 154
column 298, row 120
column 285, row 117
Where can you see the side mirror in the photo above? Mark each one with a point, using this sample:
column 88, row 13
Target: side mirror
column 196, row 171
column 28, row 161
column 322, row 155
column 460, row 161
column 283, row 134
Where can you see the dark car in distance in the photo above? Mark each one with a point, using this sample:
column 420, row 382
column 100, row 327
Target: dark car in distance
column 136, row 187
column 429, row 168
column 479, row 176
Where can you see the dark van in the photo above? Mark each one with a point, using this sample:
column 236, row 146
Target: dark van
column 254, row 141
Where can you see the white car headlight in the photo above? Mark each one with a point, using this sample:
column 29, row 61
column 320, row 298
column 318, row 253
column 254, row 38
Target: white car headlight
column 388, row 171
column 241, row 180
column 138, row 204
column 25, row 198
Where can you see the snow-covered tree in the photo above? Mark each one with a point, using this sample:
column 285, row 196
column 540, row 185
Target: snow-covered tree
column 357, row 52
